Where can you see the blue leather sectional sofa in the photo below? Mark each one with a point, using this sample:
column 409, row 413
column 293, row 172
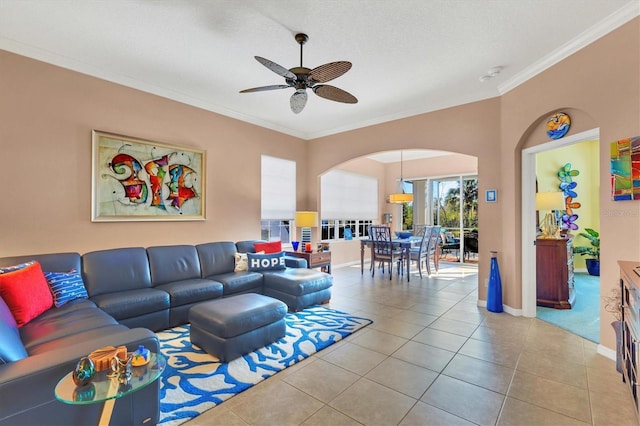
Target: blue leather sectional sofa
column 132, row 292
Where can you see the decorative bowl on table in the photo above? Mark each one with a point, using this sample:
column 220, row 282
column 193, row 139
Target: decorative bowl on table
column 403, row 234
column 141, row 357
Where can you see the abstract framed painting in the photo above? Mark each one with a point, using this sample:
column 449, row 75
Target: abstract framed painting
column 625, row 169
column 139, row 180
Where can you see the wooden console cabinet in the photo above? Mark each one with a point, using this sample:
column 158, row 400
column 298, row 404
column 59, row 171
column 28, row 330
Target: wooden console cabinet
column 630, row 350
column 554, row 272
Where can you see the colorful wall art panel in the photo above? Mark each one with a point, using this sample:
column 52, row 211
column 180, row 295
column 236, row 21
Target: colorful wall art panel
column 625, row 169
column 136, row 180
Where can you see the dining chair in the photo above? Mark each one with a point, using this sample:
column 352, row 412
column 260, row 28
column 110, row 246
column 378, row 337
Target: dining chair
column 383, row 249
column 433, row 251
column 419, row 254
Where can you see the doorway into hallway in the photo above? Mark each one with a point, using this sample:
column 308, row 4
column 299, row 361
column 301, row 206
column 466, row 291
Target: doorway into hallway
column 529, row 156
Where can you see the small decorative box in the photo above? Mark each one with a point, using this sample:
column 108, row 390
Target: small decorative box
column 102, row 357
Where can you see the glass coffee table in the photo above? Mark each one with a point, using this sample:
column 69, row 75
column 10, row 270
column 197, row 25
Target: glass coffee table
column 107, row 389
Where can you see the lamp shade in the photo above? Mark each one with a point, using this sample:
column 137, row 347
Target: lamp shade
column 307, row 219
column 400, row 198
column 550, row 201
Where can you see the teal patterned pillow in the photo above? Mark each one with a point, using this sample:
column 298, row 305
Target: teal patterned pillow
column 266, row 262
column 65, row 287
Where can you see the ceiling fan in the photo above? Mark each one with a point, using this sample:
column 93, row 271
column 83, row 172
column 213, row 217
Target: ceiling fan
column 301, row 79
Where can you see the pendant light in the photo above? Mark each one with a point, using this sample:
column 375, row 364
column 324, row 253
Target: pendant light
column 401, row 198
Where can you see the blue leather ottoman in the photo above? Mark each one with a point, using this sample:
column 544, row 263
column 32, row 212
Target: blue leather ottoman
column 298, row 288
column 231, row 327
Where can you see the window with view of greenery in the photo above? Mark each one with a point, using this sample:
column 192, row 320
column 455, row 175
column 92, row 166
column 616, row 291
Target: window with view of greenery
column 446, row 199
column 444, row 210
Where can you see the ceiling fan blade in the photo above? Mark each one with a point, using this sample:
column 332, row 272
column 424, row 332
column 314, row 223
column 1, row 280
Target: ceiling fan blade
column 328, row 72
column 334, row 94
column 265, row 88
column 298, row 101
column 278, row 69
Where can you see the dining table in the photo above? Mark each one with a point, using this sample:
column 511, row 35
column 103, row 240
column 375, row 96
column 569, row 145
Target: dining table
column 404, row 243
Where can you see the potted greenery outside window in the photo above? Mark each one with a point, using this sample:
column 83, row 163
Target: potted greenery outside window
column 593, row 251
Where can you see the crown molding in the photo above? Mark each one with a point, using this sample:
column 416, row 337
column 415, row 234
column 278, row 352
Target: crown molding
column 602, row 28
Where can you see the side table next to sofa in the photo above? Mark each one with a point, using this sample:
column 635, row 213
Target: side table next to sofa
column 316, row 259
column 107, row 389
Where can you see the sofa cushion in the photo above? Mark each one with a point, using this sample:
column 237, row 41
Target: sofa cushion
column 191, row 291
column 248, row 246
column 61, row 343
column 216, row 258
column 65, row 287
column 173, row 263
column 266, row 262
column 54, row 262
column 268, row 247
column 26, row 293
column 62, row 323
column 11, row 347
column 239, row 282
column 133, row 303
column 116, row 270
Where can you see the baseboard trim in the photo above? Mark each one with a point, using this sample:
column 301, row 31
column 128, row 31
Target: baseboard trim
column 606, row 352
column 506, row 308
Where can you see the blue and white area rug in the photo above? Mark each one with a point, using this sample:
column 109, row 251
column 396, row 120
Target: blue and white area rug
column 195, row 381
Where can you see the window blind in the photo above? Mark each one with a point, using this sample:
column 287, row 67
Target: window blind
column 278, row 188
column 347, row 195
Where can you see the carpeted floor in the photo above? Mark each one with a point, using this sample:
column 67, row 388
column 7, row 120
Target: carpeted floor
column 195, row 381
column 583, row 318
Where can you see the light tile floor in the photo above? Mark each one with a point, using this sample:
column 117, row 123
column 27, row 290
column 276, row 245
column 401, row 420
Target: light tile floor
column 433, row 357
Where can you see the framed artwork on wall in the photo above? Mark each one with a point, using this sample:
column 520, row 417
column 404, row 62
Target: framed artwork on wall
column 139, row 180
column 625, row 169
column 491, row 195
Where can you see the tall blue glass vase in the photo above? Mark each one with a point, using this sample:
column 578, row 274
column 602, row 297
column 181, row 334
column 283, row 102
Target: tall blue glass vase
column 494, row 293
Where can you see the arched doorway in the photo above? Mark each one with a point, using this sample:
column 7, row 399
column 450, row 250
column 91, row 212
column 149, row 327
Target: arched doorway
column 529, row 217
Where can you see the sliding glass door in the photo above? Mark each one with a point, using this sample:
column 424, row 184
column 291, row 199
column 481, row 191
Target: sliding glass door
column 449, row 202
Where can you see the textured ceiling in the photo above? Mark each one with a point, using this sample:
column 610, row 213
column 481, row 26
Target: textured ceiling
column 409, row 56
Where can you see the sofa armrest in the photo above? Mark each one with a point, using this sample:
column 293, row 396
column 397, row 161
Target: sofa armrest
column 28, row 384
column 295, row 262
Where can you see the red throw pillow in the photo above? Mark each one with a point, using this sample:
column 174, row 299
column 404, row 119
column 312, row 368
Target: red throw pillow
column 26, row 293
column 270, row 247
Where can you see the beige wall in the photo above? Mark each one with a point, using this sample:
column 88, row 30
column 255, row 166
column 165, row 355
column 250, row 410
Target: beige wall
column 599, row 87
column 47, row 115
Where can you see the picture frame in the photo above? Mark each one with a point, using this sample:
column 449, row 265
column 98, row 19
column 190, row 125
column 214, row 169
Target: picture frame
column 491, row 196
column 140, row 180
